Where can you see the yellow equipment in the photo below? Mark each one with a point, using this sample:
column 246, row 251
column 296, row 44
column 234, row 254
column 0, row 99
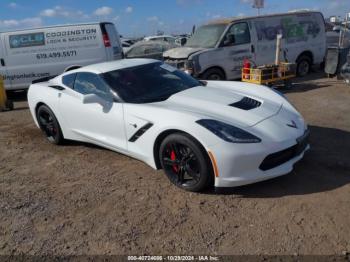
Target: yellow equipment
column 5, row 104
column 269, row 74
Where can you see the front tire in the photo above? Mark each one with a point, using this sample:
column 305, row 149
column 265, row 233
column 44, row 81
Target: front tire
column 215, row 74
column 304, row 64
column 49, row 125
column 185, row 162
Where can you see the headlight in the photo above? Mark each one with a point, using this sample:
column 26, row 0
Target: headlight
column 189, row 67
column 189, row 64
column 227, row 132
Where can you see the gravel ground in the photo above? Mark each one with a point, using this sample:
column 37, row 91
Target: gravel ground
column 81, row 199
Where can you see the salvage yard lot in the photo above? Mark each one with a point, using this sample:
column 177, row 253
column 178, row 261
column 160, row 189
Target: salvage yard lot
column 82, row 199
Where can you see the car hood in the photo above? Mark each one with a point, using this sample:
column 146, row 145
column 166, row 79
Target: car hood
column 217, row 103
column 181, row 52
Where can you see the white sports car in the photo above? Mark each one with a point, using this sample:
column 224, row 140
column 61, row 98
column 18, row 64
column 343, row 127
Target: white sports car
column 201, row 133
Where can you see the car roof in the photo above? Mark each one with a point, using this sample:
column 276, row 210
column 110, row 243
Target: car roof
column 150, row 43
column 226, row 21
column 54, row 26
column 114, row 65
column 158, row 36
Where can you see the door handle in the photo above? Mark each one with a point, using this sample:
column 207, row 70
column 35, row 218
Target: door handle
column 2, row 61
column 252, row 49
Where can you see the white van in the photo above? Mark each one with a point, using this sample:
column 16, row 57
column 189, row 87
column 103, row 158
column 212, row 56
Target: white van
column 28, row 55
column 216, row 50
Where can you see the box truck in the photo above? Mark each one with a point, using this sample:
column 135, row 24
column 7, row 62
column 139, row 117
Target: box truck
column 217, row 50
column 27, row 55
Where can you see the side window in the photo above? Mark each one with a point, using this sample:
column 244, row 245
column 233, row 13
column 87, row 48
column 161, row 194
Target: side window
column 136, row 51
column 238, row 34
column 170, row 40
column 153, row 49
column 89, row 83
column 68, row 80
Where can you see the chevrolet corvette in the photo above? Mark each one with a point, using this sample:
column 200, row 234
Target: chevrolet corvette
column 201, row 133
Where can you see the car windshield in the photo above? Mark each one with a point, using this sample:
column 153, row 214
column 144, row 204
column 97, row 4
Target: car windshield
column 149, row 83
column 206, row 36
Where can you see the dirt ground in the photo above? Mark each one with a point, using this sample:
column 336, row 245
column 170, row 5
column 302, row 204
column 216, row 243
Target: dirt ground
column 81, row 199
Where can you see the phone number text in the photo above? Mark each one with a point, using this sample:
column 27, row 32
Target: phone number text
column 56, row 54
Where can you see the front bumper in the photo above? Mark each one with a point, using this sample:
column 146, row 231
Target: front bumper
column 244, row 164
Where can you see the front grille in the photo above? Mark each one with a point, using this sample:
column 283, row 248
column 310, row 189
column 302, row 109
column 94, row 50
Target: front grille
column 246, row 103
column 281, row 157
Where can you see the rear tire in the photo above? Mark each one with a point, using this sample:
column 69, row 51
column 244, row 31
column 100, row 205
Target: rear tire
column 49, row 125
column 215, row 74
column 304, row 64
column 185, row 162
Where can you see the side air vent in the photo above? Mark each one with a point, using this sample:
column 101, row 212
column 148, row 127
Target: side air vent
column 246, row 103
column 140, row 132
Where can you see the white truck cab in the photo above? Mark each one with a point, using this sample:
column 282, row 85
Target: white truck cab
column 28, row 55
column 216, row 50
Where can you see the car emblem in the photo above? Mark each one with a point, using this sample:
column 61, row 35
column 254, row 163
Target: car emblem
column 293, row 124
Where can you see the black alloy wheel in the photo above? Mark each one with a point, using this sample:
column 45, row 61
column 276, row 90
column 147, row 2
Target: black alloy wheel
column 49, row 125
column 185, row 163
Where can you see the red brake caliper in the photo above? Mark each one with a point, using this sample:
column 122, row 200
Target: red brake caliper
column 173, row 158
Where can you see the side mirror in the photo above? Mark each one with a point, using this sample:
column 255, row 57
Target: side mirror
column 93, row 99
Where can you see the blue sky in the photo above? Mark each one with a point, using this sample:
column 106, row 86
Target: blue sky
column 140, row 17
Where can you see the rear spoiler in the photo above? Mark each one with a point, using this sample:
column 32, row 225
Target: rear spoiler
column 43, row 79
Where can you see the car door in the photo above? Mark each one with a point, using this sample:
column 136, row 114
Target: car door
column 3, row 71
column 100, row 122
column 235, row 46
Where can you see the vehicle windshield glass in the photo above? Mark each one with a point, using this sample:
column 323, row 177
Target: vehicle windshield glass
column 149, row 83
column 206, row 36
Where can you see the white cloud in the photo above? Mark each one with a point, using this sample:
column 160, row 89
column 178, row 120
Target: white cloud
column 153, row 19
column 216, row 16
column 103, row 11
column 188, row 2
column 48, row 13
column 129, row 9
column 59, row 11
column 13, row 5
column 23, row 23
column 81, row 14
column 32, row 22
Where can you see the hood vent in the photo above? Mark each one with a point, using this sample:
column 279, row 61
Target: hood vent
column 246, row 103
